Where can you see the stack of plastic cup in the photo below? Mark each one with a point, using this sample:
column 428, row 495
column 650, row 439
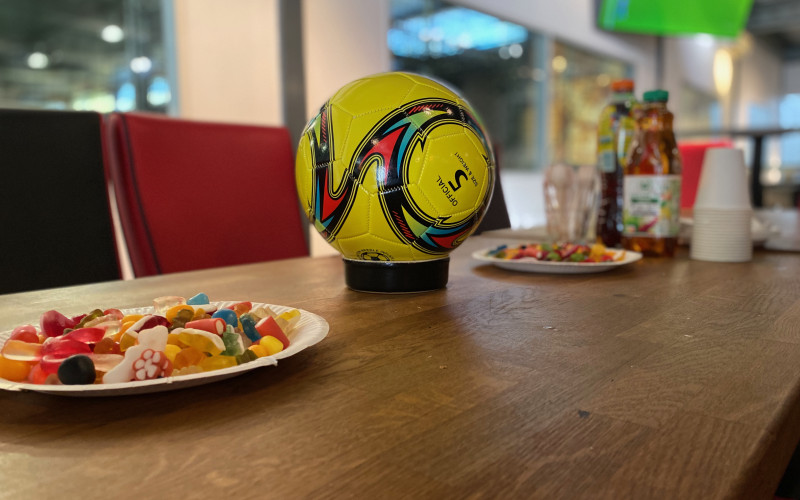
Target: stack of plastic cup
column 722, row 210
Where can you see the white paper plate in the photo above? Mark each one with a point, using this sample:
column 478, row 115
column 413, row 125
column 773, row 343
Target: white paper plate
column 531, row 265
column 309, row 330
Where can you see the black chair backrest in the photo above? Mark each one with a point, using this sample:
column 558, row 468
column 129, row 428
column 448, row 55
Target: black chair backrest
column 55, row 221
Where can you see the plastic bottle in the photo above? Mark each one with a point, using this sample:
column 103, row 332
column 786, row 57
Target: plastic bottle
column 652, row 181
column 614, row 134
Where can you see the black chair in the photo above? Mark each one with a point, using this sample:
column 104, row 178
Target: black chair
column 55, row 218
column 496, row 216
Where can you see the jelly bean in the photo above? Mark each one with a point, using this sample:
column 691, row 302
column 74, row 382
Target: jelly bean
column 161, row 304
column 249, row 327
column 217, row 363
column 174, row 310
column 86, row 335
column 228, row 316
column 106, row 362
column 271, row 344
column 211, row 325
column 107, row 346
column 25, row 333
column 268, row 326
column 233, row 343
column 198, row 300
column 188, row 357
column 76, row 370
column 62, row 348
column 18, row 350
column 171, row 351
column 202, row 340
column 53, row 323
column 15, row 371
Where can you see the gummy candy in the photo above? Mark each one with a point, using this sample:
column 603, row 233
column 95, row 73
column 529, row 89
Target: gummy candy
column 249, row 327
column 228, row 315
column 233, row 343
column 212, row 325
column 18, row 350
column 271, row 345
column 53, row 323
column 151, row 364
column 202, row 340
column 198, row 300
column 25, row 333
column 108, row 346
column 97, row 313
column 75, row 370
column 85, row 335
column 173, row 311
column 217, row 362
column 161, row 304
column 188, row 357
column 268, row 326
column 15, row 371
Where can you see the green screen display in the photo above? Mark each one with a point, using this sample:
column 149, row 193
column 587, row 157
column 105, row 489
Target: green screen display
column 675, row 17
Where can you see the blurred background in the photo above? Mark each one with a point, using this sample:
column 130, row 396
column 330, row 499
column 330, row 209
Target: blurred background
column 537, row 71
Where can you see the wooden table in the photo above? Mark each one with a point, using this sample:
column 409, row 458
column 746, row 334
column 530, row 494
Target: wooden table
column 664, row 379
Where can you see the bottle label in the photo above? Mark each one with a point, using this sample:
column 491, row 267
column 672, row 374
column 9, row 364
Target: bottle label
column 651, row 205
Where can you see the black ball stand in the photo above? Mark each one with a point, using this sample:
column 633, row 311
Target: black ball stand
column 396, row 277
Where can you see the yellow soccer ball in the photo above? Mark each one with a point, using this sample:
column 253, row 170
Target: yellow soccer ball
column 395, row 167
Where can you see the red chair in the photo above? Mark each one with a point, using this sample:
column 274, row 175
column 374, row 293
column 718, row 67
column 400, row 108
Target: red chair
column 692, row 154
column 195, row 195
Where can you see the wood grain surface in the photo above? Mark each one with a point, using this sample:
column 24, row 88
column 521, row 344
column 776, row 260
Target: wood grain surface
column 666, row 379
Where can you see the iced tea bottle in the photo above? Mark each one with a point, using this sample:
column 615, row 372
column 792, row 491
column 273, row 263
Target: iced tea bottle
column 615, row 131
column 652, row 181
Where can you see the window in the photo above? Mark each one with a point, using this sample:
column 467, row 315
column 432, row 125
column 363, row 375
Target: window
column 96, row 55
column 539, row 98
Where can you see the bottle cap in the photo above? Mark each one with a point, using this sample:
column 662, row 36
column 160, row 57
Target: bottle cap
column 622, row 86
column 656, row 96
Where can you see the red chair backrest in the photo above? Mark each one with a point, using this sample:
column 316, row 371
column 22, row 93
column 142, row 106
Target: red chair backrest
column 196, row 195
column 692, row 154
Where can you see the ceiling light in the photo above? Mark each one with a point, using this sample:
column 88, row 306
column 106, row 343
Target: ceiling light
column 559, row 64
column 37, row 60
column 112, row 34
column 141, row 64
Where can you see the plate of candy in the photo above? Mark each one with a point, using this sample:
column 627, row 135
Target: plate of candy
column 175, row 343
column 566, row 258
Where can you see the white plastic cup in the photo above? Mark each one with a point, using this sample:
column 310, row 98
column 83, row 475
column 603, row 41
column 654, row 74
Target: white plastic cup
column 723, row 180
